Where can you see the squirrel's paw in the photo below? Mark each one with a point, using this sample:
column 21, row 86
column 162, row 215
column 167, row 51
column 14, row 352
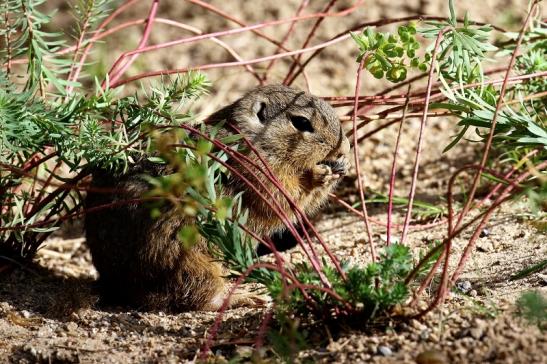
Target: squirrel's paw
column 242, row 297
column 323, row 175
column 247, row 298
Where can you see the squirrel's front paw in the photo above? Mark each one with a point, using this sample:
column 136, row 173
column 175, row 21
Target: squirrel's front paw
column 323, row 175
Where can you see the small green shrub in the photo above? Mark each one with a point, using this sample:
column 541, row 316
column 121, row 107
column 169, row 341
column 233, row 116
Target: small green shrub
column 51, row 121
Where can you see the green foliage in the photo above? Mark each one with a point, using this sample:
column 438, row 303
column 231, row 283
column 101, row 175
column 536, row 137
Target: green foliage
column 21, row 29
column 101, row 130
column 476, row 110
column 521, row 124
column 90, row 128
column 379, row 286
column 234, row 248
column 463, row 47
column 88, row 13
column 532, row 306
column 386, row 54
column 369, row 291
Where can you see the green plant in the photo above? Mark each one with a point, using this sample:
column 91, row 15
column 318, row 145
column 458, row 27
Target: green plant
column 532, row 306
column 50, row 122
column 366, row 291
column 463, row 48
column 386, row 54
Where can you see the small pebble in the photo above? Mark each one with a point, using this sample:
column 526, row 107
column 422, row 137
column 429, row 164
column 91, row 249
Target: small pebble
column 485, row 246
column 484, row 233
column 384, row 350
column 473, row 293
column 71, row 328
column 244, row 351
column 431, row 357
column 478, row 330
column 417, row 325
column 464, row 286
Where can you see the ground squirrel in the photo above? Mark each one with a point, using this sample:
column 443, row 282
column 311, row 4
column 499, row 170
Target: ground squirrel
column 140, row 260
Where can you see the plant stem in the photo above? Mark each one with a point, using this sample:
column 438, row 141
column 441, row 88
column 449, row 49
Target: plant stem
column 356, row 159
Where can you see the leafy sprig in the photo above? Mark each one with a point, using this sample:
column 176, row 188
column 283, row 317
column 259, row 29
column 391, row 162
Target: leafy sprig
column 387, row 54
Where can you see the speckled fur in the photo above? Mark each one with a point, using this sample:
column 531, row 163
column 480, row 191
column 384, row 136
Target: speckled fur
column 139, row 259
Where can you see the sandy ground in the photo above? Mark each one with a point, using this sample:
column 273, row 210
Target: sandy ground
column 49, row 311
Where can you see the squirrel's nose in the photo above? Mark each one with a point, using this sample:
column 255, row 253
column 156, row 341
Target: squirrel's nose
column 340, row 150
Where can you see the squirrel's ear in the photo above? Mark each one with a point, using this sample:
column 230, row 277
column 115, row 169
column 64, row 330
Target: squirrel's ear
column 256, row 117
column 259, row 108
column 253, row 118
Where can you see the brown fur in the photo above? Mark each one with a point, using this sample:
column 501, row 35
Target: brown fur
column 140, row 260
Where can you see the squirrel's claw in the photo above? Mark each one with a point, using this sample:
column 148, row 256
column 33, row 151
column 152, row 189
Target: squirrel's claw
column 245, row 298
column 327, row 172
column 323, row 175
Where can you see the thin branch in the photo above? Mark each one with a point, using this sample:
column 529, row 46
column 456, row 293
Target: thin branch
column 299, row 11
column 116, row 72
column 420, row 137
column 392, row 174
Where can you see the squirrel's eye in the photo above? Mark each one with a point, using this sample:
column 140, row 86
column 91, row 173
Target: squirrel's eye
column 301, row 123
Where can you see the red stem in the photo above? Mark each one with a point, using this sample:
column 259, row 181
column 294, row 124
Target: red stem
column 310, row 36
column 420, row 137
column 223, row 64
column 118, row 69
column 455, row 232
column 507, row 176
column 392, row 174
column 236, row 31
column 299, row 11
column 357, row 162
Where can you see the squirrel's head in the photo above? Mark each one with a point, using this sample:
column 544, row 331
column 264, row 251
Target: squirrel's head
column 291, row 128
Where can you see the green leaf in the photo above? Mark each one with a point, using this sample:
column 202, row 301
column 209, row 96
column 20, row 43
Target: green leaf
column 158, row 160
column 447, row 106
column 453, row 20
column 456, row 139
column 189, row 236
